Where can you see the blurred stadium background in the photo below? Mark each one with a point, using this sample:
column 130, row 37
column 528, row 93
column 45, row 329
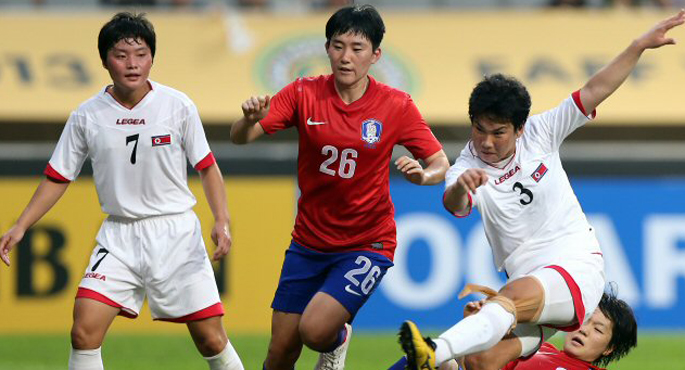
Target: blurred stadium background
column 627, row 167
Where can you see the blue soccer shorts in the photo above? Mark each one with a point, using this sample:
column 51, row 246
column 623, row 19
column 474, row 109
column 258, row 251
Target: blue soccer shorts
column 349, row 277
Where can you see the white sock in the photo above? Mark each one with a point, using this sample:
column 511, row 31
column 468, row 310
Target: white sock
column 473, row 334
column 226, row 360
column 85, row 359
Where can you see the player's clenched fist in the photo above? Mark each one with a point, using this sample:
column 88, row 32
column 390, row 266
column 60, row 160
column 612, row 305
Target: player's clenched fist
column 256, row 108
column 471, row 179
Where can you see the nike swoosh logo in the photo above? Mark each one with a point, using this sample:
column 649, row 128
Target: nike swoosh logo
column 314, row 123
column 349, row 290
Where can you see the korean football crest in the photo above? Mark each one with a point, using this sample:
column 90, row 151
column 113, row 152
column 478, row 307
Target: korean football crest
column 371, row 132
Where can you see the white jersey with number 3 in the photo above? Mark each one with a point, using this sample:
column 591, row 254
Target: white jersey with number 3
column 138, row 155
column 530, row 214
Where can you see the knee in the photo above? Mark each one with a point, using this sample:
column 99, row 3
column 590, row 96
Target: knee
column 316, row 337
column 212, row 344
column 82, row 338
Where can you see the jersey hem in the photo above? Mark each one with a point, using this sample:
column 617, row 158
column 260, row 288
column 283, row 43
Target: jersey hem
column 55, row 176
column 207, row 161
column 214, row 310
column 579, row 104
column 577, row 297
column 91, row 294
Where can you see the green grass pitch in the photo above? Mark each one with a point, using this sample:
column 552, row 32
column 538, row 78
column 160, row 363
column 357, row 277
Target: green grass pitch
column 174, row 352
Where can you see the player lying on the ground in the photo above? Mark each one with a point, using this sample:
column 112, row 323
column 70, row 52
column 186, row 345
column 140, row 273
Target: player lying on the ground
column 511, row 171
column 609, row 334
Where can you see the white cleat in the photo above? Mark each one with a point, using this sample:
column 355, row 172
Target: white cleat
column 335, row 360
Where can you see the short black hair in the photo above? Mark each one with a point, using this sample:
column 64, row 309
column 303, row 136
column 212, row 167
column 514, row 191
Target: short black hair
column 500, row 98
column 359, row 19
column 126, row 25
column 624, row 328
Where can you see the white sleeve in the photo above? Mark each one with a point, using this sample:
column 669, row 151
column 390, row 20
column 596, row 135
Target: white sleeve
column 72, row 148
column 463, row 163
column 550, row 128
column 194, row 139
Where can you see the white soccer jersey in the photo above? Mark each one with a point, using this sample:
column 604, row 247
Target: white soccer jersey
column 530, row 214
column 138, row 155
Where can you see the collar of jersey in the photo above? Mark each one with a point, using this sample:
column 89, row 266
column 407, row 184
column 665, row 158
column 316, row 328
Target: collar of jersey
column 141, row 103
column 357, row 104
column 511, row 160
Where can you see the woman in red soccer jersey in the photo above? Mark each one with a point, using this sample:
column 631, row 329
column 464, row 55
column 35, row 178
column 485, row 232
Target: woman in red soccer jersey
column 609, row 334
column 344, row 236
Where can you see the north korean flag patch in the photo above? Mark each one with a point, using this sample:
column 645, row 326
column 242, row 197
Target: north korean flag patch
column 539, row 172
column 161, row 140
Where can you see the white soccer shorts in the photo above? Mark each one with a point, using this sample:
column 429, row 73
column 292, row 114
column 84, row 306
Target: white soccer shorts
column 163, row 258
column 573, row 287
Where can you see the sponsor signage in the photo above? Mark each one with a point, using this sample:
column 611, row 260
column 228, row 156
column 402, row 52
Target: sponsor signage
column 38, row 289
column 640, row 224
column 227, row 57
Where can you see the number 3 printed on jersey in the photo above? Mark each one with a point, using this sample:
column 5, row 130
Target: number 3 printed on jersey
column 347, row 164
column 526, row 195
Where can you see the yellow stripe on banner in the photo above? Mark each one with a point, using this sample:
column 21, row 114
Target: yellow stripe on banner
column 49, row 62
column 38, row 290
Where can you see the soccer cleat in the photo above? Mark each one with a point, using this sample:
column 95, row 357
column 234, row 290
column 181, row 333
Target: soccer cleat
column 335, row 360
column 420, row 351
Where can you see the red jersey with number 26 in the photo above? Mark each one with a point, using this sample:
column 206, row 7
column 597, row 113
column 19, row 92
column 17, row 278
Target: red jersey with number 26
column 550, row 358
column 344, row 158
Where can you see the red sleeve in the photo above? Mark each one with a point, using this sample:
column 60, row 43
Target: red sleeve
column 417, row 136
column 282, row 109
column 205, row 162
column 54, row 175
column 579, row 104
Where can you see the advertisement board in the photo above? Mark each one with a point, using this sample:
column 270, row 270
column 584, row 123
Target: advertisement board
column 640, row 224
column 220, row 58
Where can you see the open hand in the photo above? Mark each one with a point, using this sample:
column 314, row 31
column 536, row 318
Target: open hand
column 656, row 37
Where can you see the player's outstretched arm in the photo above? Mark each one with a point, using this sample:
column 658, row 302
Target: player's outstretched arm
column 456, row 195
column 434, row 173
column 609, row 78
column 45, row 197
column 246, row 129
column 215, row 191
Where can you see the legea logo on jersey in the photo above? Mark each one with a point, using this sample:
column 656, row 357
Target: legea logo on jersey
column 131, row 121
column 161, row 140
column 539, row 172
column 285, row 60
column 371, row 132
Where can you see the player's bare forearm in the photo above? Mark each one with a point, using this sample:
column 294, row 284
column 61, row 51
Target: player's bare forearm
column 244, row 131
column 437, row 166
column 215, row 191
column 456, row 199
column 213, row 185
column 609, row 78
column 45, row 197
